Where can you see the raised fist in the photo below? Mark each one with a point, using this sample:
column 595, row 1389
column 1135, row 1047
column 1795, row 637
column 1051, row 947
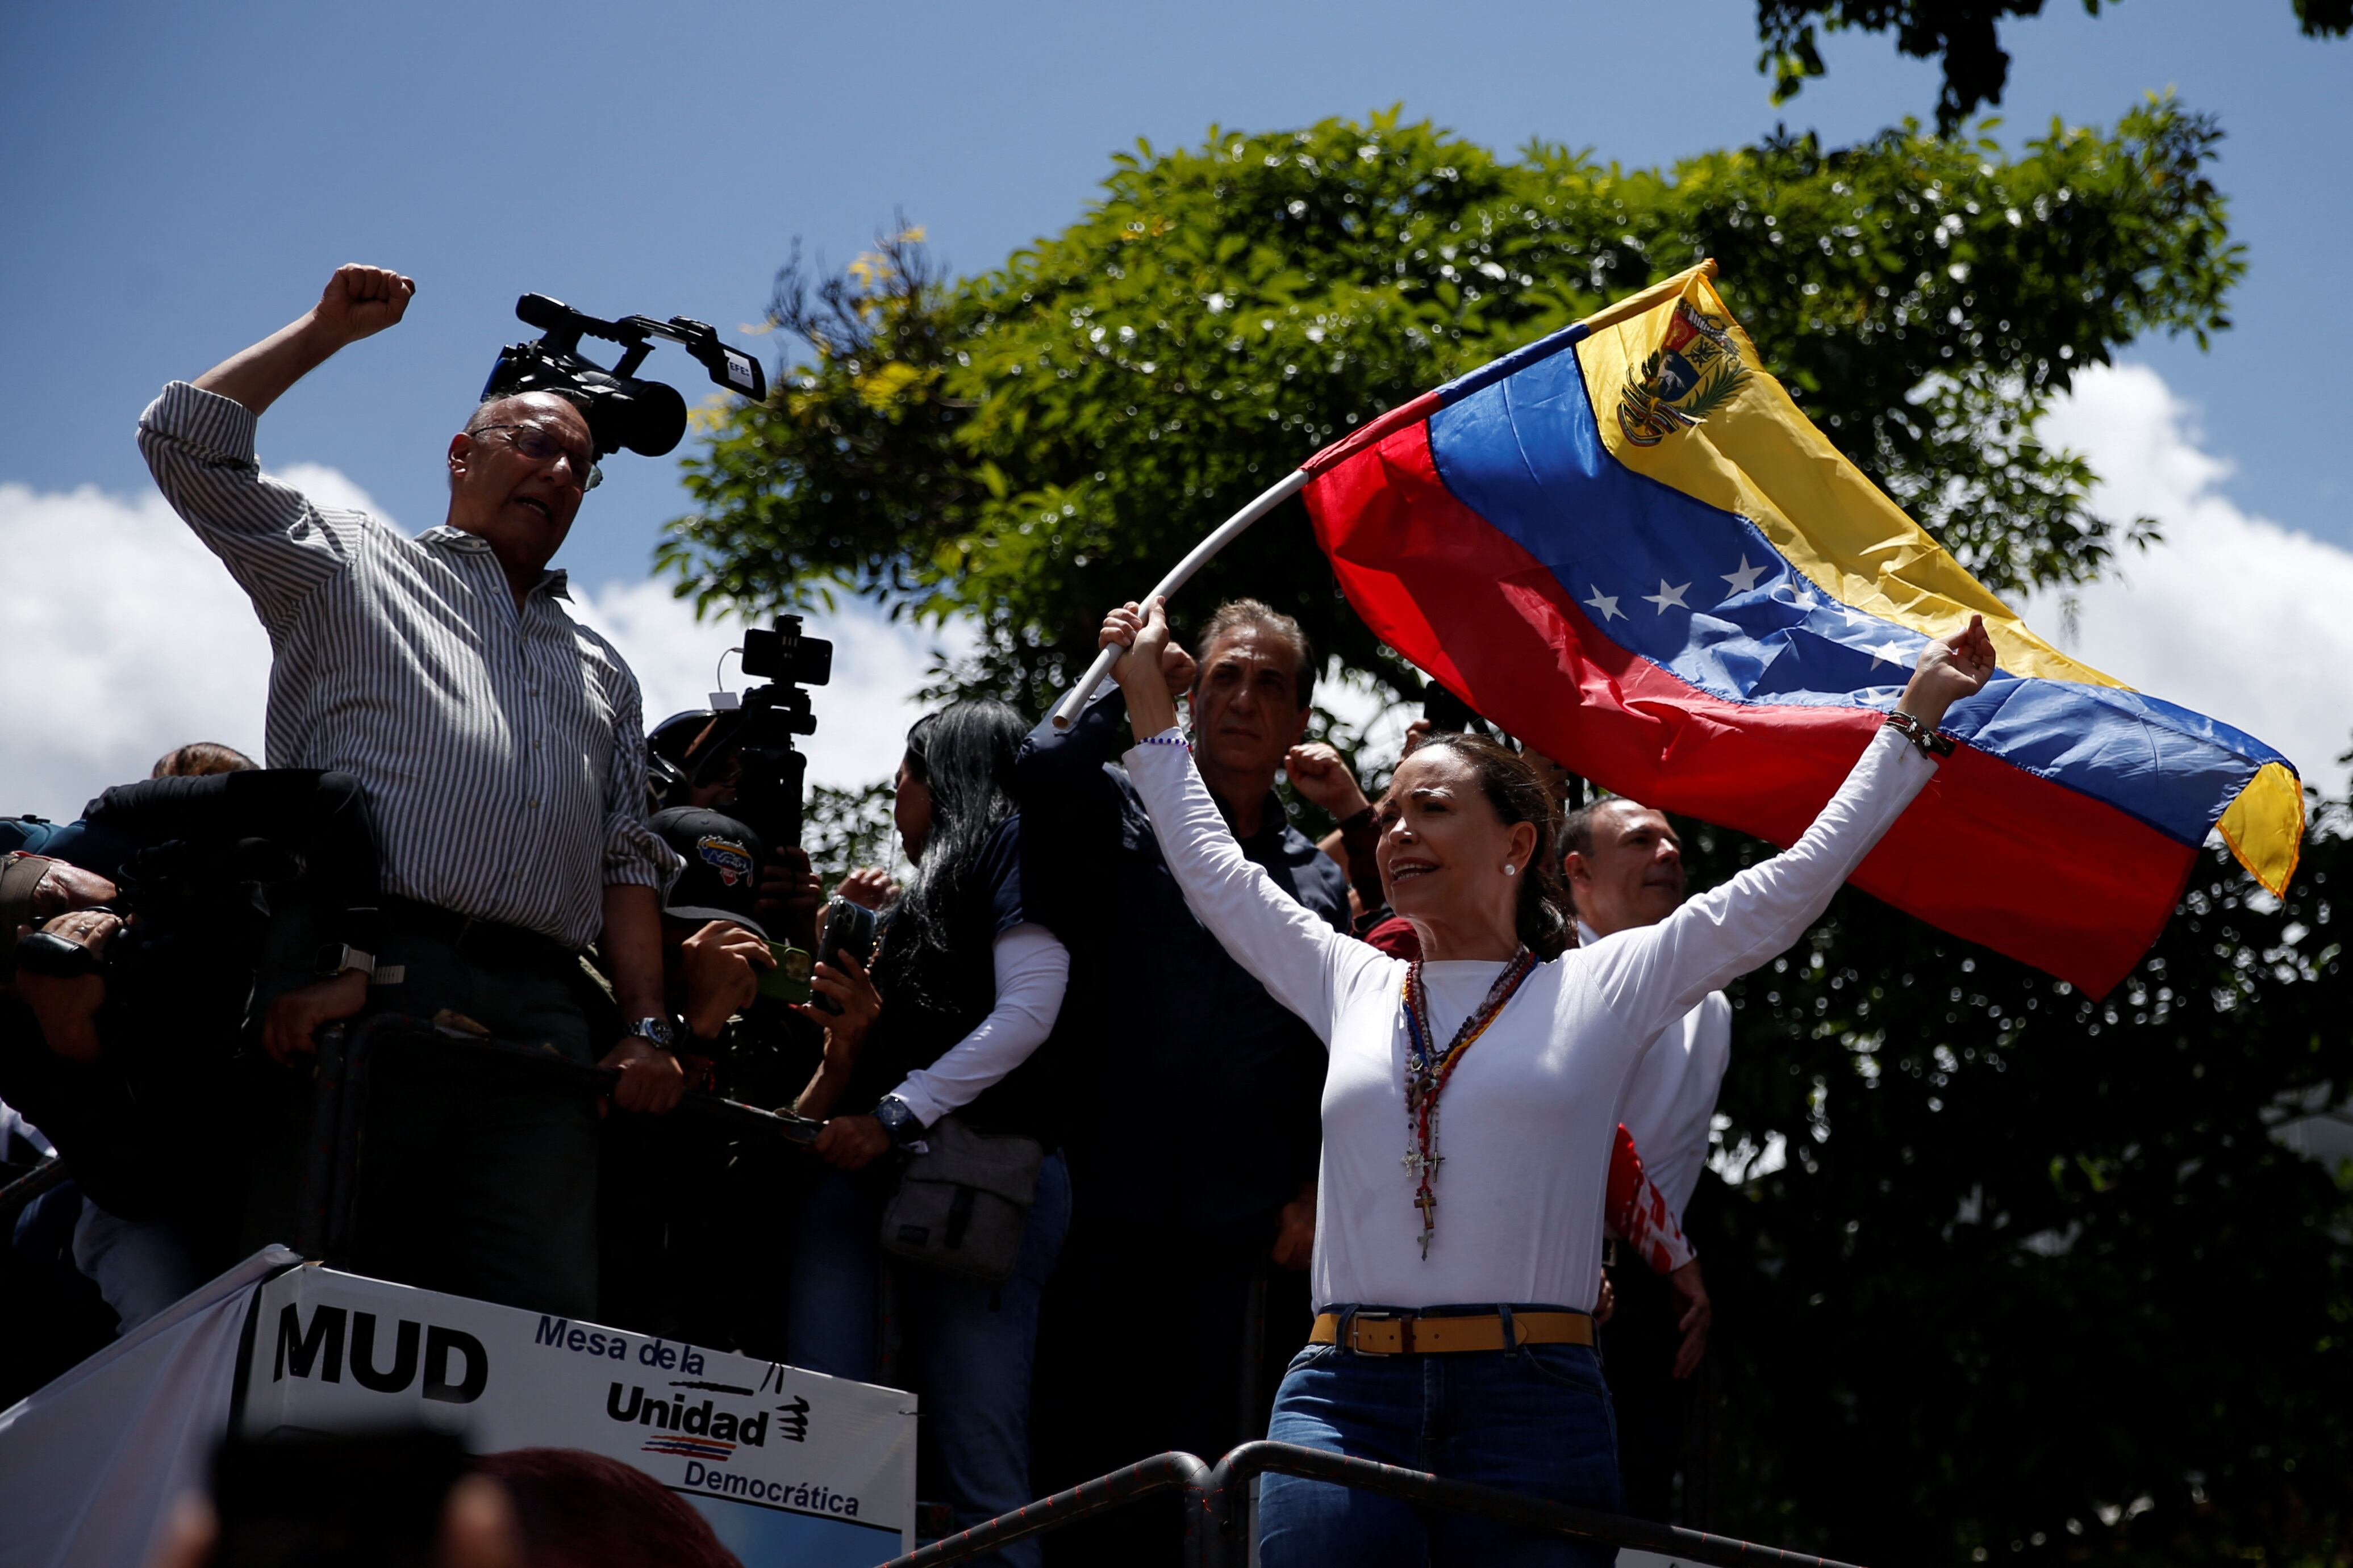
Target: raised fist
column 1319, row 773
column 360, row 301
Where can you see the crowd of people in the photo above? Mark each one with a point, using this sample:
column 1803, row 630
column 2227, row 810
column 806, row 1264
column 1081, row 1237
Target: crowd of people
column 1131, row 1118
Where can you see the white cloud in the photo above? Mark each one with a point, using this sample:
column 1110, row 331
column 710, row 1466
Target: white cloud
column 862, row 714
column 126, row 637
column 2232, row 615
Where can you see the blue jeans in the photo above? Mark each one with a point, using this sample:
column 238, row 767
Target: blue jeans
column 973, row 1345
column 1535, row 1420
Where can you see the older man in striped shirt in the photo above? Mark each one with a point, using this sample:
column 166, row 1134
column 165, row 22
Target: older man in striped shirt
column 500, row 745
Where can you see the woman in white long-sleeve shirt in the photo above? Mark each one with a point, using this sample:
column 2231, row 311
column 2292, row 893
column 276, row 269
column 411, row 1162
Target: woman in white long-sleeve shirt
column 965, row 989
column 1469, row 1105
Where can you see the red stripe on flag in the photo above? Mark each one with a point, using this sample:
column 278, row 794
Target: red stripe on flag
column 1413, row 412
column 1989, row 852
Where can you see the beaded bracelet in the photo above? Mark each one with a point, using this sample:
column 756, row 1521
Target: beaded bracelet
column 1171, row 737
column 1930, row 742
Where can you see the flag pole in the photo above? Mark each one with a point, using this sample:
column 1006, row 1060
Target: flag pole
column 1067, row 711
column 1282, row 489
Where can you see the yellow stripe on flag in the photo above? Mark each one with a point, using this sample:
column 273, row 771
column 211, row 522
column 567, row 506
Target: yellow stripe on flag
column 1759, row 456
column 1754, row 454
column 2264, row 826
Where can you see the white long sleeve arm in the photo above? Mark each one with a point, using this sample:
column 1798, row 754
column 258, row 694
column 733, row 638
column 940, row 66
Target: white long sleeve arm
column 1288, row 947
column 1653, row 974
column 1033, row 970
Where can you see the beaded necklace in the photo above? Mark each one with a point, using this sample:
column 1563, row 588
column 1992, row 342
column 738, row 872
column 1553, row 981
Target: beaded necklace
column 1426, row 1072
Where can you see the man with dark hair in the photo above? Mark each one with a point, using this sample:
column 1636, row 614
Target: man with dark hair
column 1625, row 869
column 500, row 747
column 1194, row 1131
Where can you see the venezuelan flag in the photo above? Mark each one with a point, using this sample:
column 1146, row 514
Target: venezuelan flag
column 1626, row 545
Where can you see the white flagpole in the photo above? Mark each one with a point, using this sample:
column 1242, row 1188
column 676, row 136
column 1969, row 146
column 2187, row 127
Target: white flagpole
column 1068, row 711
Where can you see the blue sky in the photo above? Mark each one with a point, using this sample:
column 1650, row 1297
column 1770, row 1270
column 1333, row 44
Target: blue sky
column 177, row 181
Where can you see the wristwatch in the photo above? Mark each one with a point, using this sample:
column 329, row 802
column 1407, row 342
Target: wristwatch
column 898, row 1120
column 659, row 1033
column 336, row 957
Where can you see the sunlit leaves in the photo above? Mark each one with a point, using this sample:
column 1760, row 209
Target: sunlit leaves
column 1033, row 443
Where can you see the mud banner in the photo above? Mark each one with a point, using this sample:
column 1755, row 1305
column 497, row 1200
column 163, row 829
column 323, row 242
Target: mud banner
column 789, row 1466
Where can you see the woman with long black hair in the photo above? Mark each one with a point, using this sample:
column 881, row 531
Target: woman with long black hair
column 934, row 1054
column 1456, row 1263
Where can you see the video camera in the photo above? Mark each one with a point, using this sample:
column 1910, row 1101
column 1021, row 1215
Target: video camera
column 770, row 795
column 771, row 774
column 176, row 888
column 646, row 417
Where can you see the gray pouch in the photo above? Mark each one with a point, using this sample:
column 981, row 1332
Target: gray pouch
column 962, row 1208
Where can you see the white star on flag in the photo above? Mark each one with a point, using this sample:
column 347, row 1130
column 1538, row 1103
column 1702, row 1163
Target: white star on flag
column 1666, row 596
column 1803, row 598
column 1605, row 603
column 1889, row 652
column 1744, row 580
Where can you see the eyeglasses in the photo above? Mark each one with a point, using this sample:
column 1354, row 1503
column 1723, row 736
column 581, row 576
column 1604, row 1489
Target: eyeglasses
column 541, row 447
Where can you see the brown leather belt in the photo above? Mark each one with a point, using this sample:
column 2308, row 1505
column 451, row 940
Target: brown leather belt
column 1395, row 1334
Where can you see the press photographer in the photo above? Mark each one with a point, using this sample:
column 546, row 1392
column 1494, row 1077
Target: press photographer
column 132, row 937
column 500, row 743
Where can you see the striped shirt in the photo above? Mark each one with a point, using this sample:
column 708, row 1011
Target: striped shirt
column 503, row 750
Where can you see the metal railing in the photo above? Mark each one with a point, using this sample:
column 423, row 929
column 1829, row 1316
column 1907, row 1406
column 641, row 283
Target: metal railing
column 1215, row 1510
column 326, row 1222
column 46, row 1177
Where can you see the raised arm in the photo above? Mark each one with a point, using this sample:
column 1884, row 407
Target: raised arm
column 1654, row 974
column 358, row 302
column 1300, row 960
column 198, row 440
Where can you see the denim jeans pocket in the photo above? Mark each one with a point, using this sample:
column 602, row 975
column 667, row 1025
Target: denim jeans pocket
column 1571, row 1367
column 1309, row 1355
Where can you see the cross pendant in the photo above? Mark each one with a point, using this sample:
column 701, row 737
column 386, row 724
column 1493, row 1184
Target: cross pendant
column 1428, row 1204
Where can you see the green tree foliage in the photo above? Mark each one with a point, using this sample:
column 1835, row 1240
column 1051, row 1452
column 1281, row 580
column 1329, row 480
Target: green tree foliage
column 843, row 829
column 2036, row 1283
column 1961, row 33
column 1031, row 444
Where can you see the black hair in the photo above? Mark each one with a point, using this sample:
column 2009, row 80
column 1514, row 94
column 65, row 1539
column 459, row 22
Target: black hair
column 1519, row 793
column 964, row 754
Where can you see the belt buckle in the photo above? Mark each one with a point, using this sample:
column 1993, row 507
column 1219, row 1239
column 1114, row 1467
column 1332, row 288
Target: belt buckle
column 1356, row 1347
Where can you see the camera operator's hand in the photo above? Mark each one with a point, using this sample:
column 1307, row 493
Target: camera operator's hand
column 851, row 1142
column 361, row 301
column 869, row 887
column 653, row 1080
column 722, row 964
column 845, row 982
column 287, row 1026
column 65, row 887
column 66, row 1007
column 790, row 897
column 1321, row 774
